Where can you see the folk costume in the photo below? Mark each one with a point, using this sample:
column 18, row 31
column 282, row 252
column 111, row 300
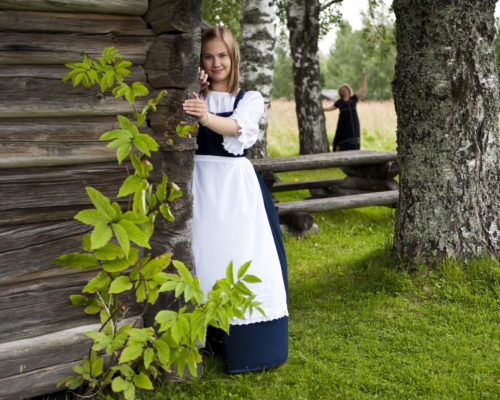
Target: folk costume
column 347, row 136
column 234, row 219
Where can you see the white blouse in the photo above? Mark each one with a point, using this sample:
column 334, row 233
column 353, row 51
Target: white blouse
column 247, row 114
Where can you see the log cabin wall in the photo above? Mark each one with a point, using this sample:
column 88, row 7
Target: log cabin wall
column 49, row 153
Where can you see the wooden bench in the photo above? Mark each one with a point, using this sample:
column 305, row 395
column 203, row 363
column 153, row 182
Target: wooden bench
column 369, row 181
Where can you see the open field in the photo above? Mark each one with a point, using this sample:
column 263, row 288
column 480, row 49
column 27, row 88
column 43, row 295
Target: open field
column 377, row 120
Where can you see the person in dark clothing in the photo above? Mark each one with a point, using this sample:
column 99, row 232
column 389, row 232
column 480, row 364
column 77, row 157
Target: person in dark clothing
column 347, row 136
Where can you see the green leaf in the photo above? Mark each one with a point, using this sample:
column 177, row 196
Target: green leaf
column 166, row 212
column 119, row 384
column 122, row 237
column 101, row 202
column 131, row 353
column 100, row 235
column 175, row 191
column 97, row 367
column 92, row 217
column 161, row 190
column 149, row 355
column 86, row 242
column 123, row 152
column 109, row 251
column 135, row 234
column 71, row 382
column 243, row 269
column 142, row 381
column 251, row 279
column 101, row 281
column 129, row 393
column 77, row 260
column 131, row 185
column 120, row 284
column 78, row 300
column 140, row 89
column 116, row 134
column 141, row 144
column 163, row 351
column 230, row 273
column 183, row 271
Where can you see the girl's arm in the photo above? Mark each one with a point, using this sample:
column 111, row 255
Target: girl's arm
column 362, row 88
column 222, row 125
column 330, row 108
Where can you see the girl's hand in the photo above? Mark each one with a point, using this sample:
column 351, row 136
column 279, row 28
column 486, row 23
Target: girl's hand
column 196, row 107
column 203, row 78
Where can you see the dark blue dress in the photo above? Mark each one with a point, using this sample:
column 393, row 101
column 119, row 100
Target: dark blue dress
column 260, row 345
column 347, row 136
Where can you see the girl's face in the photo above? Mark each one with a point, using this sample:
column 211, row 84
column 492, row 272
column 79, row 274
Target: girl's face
column 216, row 62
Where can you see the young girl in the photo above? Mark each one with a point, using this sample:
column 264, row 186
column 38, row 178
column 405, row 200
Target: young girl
column 347, row 136
column 234, row 218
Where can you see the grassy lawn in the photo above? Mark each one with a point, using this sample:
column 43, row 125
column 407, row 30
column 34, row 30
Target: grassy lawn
column 362, row 325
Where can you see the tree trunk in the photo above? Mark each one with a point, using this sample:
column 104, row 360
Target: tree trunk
column 303, row 24
column 257, row 59
column 446, row 97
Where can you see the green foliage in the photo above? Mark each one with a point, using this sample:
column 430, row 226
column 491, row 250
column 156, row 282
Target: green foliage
column 137, row 356
column 224, row 13
column 283, row 74
column 357, row 50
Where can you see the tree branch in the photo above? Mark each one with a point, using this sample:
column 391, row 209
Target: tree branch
column 325, row 6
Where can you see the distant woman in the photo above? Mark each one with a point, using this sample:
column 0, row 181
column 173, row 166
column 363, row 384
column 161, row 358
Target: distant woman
column 234, row 218
column 347, row 136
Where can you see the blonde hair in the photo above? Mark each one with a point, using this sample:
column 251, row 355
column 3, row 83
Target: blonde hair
column 345, row 85
column 224, row 34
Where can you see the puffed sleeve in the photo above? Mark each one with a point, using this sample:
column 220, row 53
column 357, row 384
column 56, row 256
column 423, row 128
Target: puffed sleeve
column 247, row 114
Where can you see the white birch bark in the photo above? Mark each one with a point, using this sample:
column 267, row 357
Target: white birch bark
column 303, row 25
column 257, row 59
column 447, row 99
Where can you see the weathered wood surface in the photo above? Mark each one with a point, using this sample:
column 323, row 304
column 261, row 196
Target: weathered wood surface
column 25, row 355
column 26, row 251
column 41, row 306
column 323, row 160
column 47, row 22
column 54, row 48
column 46, row 190
column 173, row 60
column 124, row 7
column 173, row 15
column 37, row 91
column 386, row 198
column 311, row 184
column 29, row 367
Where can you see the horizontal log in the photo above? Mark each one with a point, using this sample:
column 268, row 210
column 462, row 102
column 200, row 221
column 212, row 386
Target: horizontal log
column 30, row 154
column 26, row 251
column 22, row 356
column 42, row 306
column 311, row 184
column 173, row 15
column 54, row 48
column 45, row 190
column 123, row 7
column 40, row 93
column 51, row 22
column 34, row 366
column 386, row 198
column 323, row 160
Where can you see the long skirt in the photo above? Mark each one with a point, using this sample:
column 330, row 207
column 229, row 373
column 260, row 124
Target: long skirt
column 235, row 220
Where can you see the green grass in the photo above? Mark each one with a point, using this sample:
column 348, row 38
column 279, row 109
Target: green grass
column 363, row 327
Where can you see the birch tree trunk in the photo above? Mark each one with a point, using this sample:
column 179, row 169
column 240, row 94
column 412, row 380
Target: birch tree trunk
column 446, row 97
column 257, row 59
column 303, row 24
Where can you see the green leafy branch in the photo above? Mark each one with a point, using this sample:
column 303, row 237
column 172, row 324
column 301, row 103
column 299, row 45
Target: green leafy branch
column 127, row 357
